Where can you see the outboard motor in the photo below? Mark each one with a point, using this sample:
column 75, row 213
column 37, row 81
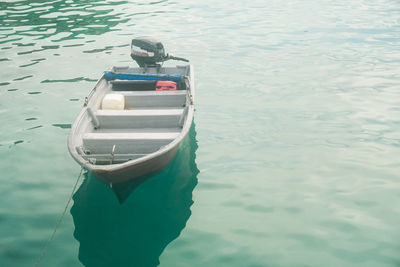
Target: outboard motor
column 148, row 52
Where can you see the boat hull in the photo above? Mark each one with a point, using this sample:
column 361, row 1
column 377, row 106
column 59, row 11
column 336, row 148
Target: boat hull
column 146, row 134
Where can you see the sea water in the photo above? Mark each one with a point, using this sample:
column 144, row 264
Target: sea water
column 293, row 158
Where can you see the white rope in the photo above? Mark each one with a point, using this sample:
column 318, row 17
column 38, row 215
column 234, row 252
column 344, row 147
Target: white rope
column 59, row 220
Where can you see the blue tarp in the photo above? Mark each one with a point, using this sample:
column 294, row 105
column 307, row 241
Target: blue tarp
column 150, row 77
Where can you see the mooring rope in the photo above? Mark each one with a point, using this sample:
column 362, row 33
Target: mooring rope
column 59, row 220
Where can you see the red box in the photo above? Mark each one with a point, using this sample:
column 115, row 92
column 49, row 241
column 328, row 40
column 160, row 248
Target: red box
column 165, row 86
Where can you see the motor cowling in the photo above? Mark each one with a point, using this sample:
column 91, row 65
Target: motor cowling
column 147, row 51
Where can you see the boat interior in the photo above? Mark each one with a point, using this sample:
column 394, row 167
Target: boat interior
column 149, row 120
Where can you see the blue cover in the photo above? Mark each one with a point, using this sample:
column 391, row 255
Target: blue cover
column 151, row 77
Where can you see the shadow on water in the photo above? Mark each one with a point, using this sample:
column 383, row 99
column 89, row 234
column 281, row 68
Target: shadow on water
column 136, row 232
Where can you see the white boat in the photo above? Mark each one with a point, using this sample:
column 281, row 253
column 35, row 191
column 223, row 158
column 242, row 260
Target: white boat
column 128, row 128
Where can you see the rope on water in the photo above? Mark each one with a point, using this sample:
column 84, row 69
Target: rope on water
column 59, row 220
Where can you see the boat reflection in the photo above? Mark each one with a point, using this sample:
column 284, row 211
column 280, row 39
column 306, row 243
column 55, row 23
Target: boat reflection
column 136, row 232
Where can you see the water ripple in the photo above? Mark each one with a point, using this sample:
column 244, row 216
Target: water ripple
column 297, row 111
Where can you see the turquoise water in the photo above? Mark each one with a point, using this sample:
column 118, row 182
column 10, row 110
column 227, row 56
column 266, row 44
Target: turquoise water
column 294, row 158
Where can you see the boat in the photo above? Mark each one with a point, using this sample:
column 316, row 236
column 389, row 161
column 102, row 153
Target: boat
column 134, row 119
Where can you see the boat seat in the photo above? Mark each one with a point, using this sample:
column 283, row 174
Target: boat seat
column 101, row 159
column 126, row 143
column 140, row 118
column 149, row 99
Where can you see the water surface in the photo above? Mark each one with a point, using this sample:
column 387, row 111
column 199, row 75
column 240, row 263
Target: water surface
column 297, row 127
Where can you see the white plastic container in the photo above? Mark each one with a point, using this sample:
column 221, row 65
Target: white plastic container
column 113, row 101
